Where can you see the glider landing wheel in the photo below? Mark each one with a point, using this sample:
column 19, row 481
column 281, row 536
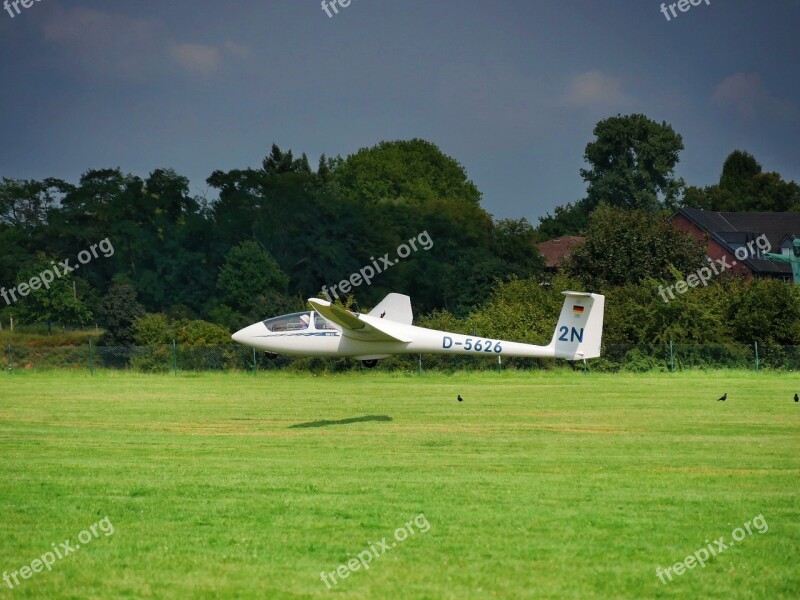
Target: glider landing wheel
column 370, row 364
column 270, row 355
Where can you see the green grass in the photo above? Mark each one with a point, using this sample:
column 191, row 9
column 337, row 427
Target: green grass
column 538, row 485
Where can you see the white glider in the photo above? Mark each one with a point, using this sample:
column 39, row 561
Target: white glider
column 331, row 331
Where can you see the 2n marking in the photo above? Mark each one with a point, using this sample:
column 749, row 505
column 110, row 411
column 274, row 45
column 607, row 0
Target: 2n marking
column 576, row 334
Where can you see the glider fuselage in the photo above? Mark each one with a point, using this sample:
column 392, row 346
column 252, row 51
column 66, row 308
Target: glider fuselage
column 329, row 330
column 321, row 338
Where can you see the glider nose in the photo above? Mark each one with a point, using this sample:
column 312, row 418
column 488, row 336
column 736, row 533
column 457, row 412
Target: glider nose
column 247, row 335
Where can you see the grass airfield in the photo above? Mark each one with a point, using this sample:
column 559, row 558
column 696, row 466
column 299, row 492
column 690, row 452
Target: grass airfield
column 538, row 485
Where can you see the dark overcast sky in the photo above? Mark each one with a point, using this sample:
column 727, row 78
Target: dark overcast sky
column 510, row 89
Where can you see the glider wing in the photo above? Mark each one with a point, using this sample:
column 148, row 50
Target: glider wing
column 357, row 326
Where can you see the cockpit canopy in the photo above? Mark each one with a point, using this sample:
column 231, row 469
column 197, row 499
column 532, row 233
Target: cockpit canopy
column 299, row 321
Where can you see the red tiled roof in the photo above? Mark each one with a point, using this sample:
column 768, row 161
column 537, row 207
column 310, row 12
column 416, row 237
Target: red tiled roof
column 555, row 251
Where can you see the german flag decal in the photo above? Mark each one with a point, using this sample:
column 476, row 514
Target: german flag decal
column 578, row 310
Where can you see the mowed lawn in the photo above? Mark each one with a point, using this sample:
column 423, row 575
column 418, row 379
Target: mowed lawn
column 538, row 485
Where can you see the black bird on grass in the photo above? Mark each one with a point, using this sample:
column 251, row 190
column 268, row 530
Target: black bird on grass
column 725, row 397
column 796, row 398
column 460, row 399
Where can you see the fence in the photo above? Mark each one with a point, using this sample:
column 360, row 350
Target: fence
column 233, row 357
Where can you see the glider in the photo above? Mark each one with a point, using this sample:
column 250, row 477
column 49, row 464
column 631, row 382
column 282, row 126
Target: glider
column 328, row 330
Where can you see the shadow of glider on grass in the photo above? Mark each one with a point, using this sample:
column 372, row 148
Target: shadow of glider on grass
column 328, row 330
column 326, row 423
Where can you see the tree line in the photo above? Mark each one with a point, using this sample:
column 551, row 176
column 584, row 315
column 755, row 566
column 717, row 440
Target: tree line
column 274, row 235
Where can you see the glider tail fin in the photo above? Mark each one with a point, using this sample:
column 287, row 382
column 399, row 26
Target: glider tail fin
column 395, row 307
column 579, row 331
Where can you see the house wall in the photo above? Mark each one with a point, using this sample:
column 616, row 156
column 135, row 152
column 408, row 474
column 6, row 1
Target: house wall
column 713, row 249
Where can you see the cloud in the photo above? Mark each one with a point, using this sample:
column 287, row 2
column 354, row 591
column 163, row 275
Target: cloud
column 242, row 51
column 595, row 89
column 101, row 42
column 86, row 27
column 196, row 58
column 745, row 95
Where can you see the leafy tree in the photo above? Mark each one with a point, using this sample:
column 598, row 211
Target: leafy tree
column 157, row 329
column 632, row 163
column 769, row 192
column 240, row 214
column 709, row 198
column 570, row 219
column 49, row 301
column 301, row 165
column 279, row 162
column 413, row 171
column 119, row 313
column 293, row 220
column 629, row 246
column 271, row 303
column 322, row 227
column 105, row 204
column 743, row 187
column 27, row 204
column 181, row 312
column 173, row 256
column 169, row 192
column 324, row 171
column 224, row 316
column 249, row 271
column 737, row 170
column 765, row 310
column 16, row 253
column 512, row 253
column 201, row 333
column 470, row 281
column 636, row 313
column 153, row 329
column 514, row 243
